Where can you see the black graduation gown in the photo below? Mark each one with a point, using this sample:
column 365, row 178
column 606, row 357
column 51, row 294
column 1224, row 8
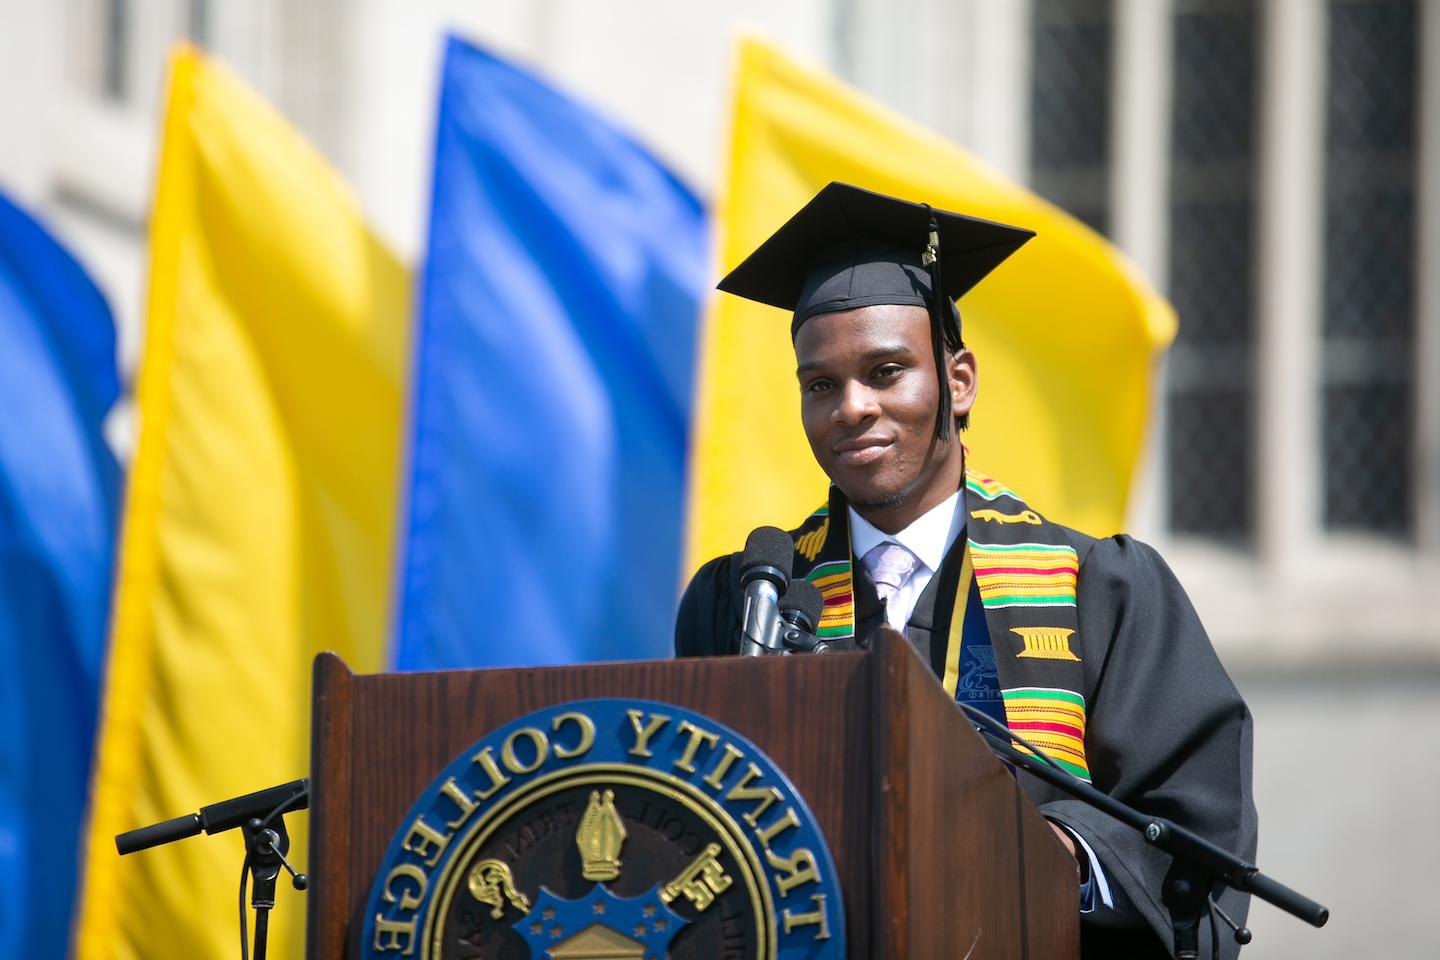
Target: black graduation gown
column 1166, row 730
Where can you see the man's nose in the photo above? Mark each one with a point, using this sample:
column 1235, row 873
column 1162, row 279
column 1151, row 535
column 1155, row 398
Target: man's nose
column 857, row 402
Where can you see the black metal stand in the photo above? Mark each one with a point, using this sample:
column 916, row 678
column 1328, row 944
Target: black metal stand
column 1187, row 895
column 265, row 849
column 1200, row 866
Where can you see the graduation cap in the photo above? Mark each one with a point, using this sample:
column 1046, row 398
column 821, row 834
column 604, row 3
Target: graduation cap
column 849, row 248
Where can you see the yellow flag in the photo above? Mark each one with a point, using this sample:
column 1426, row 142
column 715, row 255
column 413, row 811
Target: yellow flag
column 260, row 511
column 1065, row 332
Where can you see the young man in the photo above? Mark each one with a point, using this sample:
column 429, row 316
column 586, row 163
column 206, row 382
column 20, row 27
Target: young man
column 1087, row 648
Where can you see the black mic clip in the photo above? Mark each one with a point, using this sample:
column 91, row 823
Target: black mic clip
column 800, row 610
column 798, row 640
column 267, row 846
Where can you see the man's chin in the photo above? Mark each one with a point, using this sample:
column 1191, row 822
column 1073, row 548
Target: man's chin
column 871, row 500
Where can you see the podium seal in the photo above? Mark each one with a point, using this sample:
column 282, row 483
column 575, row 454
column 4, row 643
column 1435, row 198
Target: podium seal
column 608, row 828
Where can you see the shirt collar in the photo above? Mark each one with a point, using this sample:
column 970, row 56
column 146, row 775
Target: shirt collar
column 929, row 537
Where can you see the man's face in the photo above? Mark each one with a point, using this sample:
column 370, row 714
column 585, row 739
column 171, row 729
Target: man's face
column 868, row 399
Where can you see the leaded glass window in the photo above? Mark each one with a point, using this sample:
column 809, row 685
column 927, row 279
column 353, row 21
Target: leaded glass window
column 116, row 27
column 1072, row 43
column 1367, row 363
column 1211, row 404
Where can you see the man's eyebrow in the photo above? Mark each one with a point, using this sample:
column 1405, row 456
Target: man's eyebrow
column 871, row 356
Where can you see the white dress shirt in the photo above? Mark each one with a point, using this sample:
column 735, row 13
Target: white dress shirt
column 929, row 538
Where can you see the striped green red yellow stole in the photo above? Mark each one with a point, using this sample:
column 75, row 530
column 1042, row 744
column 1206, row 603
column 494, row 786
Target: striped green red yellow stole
column 822, row 556
column 1026, row 572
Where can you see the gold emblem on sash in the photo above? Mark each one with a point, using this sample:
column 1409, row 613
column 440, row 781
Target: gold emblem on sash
column 808, row 544
column 1045, row 643
column 995, row 516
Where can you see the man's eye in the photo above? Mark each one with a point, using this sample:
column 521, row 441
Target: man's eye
column 818, row 386
column 887, row 371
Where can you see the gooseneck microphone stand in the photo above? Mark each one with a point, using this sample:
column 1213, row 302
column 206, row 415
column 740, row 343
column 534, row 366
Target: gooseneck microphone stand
column 261, row 819
column 1199, row 866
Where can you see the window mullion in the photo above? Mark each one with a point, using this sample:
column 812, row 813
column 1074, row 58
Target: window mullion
column 1291, row 211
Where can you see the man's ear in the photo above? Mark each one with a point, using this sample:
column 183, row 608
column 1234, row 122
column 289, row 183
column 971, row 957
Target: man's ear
column 963, row 383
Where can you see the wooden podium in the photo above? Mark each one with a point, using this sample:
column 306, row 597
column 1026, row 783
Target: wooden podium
column 938, row 852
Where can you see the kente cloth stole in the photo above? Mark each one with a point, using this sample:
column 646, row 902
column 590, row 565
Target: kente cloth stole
column 1024, row 575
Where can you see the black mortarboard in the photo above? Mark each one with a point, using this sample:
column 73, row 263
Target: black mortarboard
column 850, row 248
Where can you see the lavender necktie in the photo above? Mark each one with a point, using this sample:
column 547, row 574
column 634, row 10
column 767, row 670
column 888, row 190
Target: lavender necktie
column 888, row 565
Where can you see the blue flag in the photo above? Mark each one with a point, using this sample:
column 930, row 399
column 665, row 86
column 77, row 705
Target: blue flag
column 552, row 377
column 58, row 498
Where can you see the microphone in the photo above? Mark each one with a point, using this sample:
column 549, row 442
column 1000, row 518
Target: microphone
column 800, row 608
column 218, row 817
column 764, row 572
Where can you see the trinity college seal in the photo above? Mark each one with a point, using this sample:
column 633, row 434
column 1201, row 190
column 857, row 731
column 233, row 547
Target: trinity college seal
column 608, row 829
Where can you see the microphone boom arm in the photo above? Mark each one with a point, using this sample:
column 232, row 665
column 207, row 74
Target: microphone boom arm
column 1202, row 863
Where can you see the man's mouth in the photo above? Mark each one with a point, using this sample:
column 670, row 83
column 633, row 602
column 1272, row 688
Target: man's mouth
column 862, row 451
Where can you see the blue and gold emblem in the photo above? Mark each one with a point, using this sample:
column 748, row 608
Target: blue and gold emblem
column 608, row 828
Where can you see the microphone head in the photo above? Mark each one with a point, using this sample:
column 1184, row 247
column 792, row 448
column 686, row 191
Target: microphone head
column 769, row 554
column 801, row 604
